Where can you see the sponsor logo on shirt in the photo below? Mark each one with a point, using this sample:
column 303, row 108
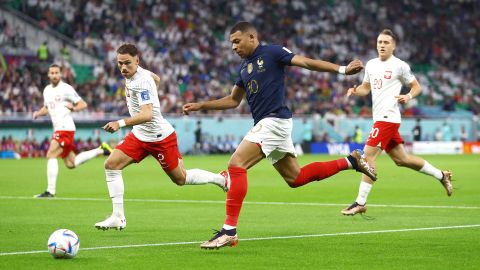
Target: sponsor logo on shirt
column 145, row 96
column 387, row 75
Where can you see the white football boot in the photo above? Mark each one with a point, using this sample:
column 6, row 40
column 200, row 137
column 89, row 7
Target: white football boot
column 113, row 222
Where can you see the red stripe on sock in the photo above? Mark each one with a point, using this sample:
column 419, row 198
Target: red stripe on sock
column 236, row 194
column 319, row 170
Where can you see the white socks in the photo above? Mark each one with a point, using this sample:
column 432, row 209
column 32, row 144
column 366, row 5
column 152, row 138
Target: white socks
column 430, row 170
column 116, row 190
column 87, row 155
column 201, row 177
column 350, row 166
column 228, row 227
column 363, row 191
column 52, row 172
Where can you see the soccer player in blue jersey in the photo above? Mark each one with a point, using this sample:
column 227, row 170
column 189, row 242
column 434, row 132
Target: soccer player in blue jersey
column 261, row 80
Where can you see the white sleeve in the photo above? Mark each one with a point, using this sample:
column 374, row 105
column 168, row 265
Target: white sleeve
column 44, row 97
column 366, row 77
column 406, row 74
column 142, row 92
column 73, row 95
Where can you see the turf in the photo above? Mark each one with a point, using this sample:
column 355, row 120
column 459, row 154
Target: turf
column 176, row 219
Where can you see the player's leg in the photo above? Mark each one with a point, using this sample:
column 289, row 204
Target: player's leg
column 167, row 154
column 295, row 176
column 182, row 176
column 125, row 153
column 382, row 136
column 246, row 155
column 371, row 154
column 402, row 158
column 77, row 160
column 54, row 151
column 114, row 165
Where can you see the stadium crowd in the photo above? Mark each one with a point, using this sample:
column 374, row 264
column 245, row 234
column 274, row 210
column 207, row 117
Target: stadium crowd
column 33, row 148
column 186, row 43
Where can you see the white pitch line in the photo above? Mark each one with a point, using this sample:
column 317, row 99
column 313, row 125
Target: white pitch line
column 261, row 238
column 246, row 202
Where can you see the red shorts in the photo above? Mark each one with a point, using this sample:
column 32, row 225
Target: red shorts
column 384, row 135
column 165, row 151
column 65, row 139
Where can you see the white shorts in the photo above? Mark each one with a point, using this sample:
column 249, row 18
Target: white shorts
column 274, row 135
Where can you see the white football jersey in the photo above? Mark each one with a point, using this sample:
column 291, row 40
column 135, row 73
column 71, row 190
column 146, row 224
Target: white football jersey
column 140, row 89
column 55, row 99
column 386, row 79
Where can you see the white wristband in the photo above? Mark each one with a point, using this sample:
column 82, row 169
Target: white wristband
column 342, row 69
column 121, row 123
column 410, row 96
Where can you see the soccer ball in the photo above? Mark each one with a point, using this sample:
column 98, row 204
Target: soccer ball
column 63, row 243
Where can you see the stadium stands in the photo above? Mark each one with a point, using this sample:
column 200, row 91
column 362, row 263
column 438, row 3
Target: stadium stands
column 185, row 42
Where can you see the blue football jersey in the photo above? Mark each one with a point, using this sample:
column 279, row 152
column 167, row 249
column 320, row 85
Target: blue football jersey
column 262, row 75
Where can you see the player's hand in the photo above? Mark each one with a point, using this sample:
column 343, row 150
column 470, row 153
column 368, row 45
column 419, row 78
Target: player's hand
column 35, row 115
column 69, row 106
column 351, row 91
column 191, row 107
column 354, row 67
column 111, row 126
column 402, row 99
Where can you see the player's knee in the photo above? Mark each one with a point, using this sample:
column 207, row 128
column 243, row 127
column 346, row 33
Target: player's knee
column 293, row 178
column 110, row 164
column 237, row 163
column 399, row 162
column 290, row 182
column 70, row 165
column 179, row 180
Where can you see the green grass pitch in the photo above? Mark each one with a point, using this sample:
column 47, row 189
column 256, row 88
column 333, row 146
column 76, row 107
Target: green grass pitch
column 411, row 223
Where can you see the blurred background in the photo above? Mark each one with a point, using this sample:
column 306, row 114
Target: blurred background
column 186, row 44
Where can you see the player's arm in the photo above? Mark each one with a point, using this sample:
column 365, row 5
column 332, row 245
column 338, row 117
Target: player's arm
column 319, row 65
column 156, row 78
column 362, row 90
column 80, row 105
column 415, row 90
column 145, row 115
column 228, row 102
column 43, row 111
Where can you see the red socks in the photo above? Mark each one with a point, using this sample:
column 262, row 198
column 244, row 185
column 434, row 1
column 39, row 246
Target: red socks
column 319, row 170
column 236, row 194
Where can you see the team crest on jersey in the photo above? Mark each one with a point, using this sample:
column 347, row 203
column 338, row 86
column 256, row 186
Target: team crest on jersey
column 249, row 68
column 261, row 68
column 145, row 96
column 387, row 75
column 58, row 98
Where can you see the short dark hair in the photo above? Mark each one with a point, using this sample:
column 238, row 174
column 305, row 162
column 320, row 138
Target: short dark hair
column 128, row 48
column 242, row 26
column 389, row 32
column 55, row 66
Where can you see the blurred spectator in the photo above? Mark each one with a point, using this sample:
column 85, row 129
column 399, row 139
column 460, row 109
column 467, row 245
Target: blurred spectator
column 463, row 134
column 358, row 135
column 186, row 43
column 438, row 135
column 43, row 53
column 417, row 131
column 307, row 133
column 446, row 132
